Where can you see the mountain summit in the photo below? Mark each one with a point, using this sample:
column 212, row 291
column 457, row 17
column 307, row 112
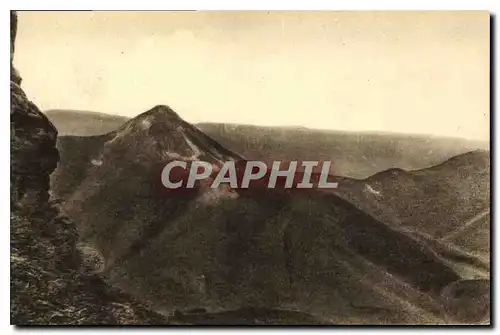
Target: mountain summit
column 314, row 253
column 124, row 167
column 161, row 131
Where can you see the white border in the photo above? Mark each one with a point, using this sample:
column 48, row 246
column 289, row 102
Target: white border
column 490, row 5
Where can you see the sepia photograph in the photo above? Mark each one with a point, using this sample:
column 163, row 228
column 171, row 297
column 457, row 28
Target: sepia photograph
column 250, row 168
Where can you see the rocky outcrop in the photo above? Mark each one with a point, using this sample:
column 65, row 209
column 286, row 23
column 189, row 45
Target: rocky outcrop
column 33, row 151
column 33, row 144
column 14, row 75
column 50, row 278
column 48, row 286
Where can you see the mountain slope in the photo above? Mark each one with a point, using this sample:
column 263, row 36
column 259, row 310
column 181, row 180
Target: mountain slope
column 126, row 170
column 436, row 201
column 210, row 248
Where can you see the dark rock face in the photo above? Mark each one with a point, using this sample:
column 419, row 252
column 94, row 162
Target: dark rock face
column 14, row 76
column 48, row 285
column 33, row 150
column 33, row 144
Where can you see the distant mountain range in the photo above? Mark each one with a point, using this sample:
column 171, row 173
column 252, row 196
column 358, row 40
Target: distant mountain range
column 84, row 123
column 390, row 248
column 354, row 154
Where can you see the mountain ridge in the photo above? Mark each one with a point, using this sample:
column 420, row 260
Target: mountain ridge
column 217, row 250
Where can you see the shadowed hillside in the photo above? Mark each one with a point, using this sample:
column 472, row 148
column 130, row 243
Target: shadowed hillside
column 449, row 201
column 206, row 248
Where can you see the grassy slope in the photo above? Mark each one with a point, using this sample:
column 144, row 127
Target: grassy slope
column 168, row 230
column 435, row 201
column 255, row 250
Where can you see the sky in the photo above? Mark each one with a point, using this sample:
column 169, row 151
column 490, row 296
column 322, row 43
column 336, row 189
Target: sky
column 410, row 72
